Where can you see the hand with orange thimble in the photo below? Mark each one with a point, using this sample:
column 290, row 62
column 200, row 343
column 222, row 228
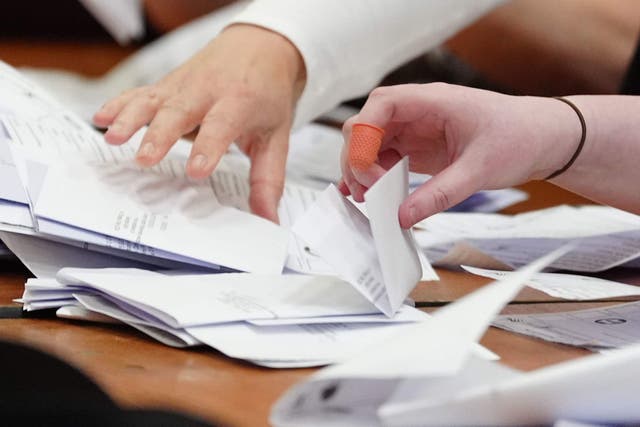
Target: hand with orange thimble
column 467, row 139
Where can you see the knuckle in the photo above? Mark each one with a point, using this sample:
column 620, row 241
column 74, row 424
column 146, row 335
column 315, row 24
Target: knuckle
column 220, row 119
column 379, row 92
column 274, row 183
column 348, row 124
column 245, row 92
column 440, row 199
column 438, row 86
column 128, row 93
column 180, row 108
column 152, row 136
column 152, row 97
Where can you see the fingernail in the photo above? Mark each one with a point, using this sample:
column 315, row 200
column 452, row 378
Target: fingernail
column 199, row 162
column 365, row 177
column 147, row 150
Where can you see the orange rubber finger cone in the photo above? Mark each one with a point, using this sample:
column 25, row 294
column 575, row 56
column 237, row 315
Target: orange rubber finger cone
column 364, row 145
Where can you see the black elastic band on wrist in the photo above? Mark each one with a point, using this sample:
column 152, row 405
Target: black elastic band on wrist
column 583, row 124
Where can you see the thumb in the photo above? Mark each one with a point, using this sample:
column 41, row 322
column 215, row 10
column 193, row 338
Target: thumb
column 446, row 189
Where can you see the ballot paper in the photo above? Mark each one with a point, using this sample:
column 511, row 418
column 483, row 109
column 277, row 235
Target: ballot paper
column 406, row 313
column 325, row 341
column 596, row 329
column 606, row 237
column 23, row 98
column 490, row 200
column 44, row 258
column 163, row 212
column 439, row 349
column 375, row 255
column 103, row 192
column 174, row 337
column 11, row 189
column 568, row 286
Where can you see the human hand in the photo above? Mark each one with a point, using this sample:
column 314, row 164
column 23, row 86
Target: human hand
column 241, row 87
column 468, row 139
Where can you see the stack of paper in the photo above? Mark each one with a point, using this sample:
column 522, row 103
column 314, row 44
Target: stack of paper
column 61, row 182
column 426, row 375
column 274, row 320
column 268, row 318
column 64, row 186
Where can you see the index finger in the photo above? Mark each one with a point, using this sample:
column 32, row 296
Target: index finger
column 365, row 133
column 268, row 162
column 401, row 103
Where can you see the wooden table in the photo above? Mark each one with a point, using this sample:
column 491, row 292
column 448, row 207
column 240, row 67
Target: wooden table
column 139, row 372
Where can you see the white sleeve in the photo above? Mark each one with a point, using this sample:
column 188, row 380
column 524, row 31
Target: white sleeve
column 348, row 46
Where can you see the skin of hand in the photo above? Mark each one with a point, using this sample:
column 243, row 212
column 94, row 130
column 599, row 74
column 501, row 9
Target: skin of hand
column 468, row 139
column 241, row 87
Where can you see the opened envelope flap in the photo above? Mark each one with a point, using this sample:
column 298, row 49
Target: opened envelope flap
column 396, row 248
column 339, row 233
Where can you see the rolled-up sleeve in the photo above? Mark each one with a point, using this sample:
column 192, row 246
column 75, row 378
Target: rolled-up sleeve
column 348, row 46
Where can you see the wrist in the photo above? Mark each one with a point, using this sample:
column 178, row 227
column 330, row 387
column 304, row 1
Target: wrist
column 562, row 139
column 282, row 53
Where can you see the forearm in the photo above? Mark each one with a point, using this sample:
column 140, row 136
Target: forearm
column 349, row 46
column 608, row 168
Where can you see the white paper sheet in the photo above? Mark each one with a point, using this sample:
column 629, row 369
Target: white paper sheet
column 11, row 188
column 175, row 337
column 406, row 313
column 597, row 329
column 568, row 286
column 44, row 257
column 606, row 238
column 598, row 389
column 15, row 214
column 185, row 300
column 328, row 342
